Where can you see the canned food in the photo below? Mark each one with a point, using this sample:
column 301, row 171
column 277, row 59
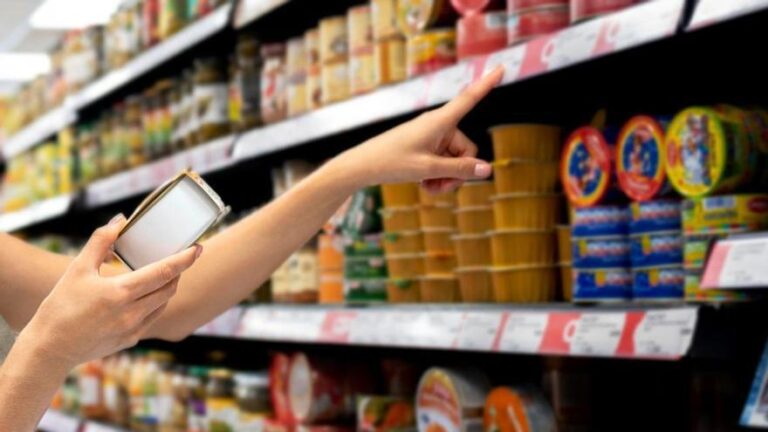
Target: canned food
column 583, row 9
column 602, row 284
column 654, row 249
column 430, row 51
column 416, row 16
column 333, row 39
column 474, row 7
column 480, row 33
column 530, row 23
column 656, row 215
column 312, row 51
column 707, row 152
column 334, row 82
column 451, row 400
column 658, row 283
column 389, row 61
column 640, row 159
column 586, row 168
column 600, row 252
column 316, row 390
column 726, row 213
column 384, row 19
column 514, row 6
column 605, row 220
column 509, row 409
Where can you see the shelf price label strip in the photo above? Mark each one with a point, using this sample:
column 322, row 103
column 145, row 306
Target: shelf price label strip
column 738, row 262
column 54, row 421
column 709, row 12
column 37, row 212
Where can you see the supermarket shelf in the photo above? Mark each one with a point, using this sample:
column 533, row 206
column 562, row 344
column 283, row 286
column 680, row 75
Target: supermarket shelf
column 36, row 213
column 616, row 32
column 248, row 11
column 152, row 58
column 212, row 156
column 709, row 12
column 56, row 421
column 38, row 131
column 641, row 332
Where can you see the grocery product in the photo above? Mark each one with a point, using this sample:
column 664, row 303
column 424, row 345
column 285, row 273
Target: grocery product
column 606, row 220
column 640, row 159
column 361, row 60
column 584, row 9
column 382, row 413
column 316, row 390
column 524, row 283
column 416, row 16
column 658, row 282
column 365, row 290
column 439, row 289
column 437, row 216
column 603, row 285
column 211, row 108
column 725, row 213
column 474, row 220
column 472, row 250
column 313, row 87
column 403, row 242
column 329, row 252
column 474, row 7
column 518, row 247
column 389, row 61
column 92, row 397
column 334, row 82
column 296, row 72
column 221, row 404
column 384, row 19
column 279, row 373
column 331, row 287
column 586, row 168
column 707, row 152
column 333, row 39
column 475, row 193
column 438, row 240
column 252, row 395
column 400, row 218
column 173, row 16
column 475, row 284
column 403, row 290
column 601, row 252
column 564, row 243
column 525, row 142
column 481, row 33
column 656, row 248
column 525, row 176
column 514, row 6
column 513, row 409
column 430, row 51
column 273, row 83
column 429, row 198
column 405, row 266
column 439, row 263
column 529, row 23
column 364, row 267
column 656, row 215
column 526, row 211
column 451, row 400
column 566, row 281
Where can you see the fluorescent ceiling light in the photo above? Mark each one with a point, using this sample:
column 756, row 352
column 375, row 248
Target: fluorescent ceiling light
column 72, row 14
column 23, row 66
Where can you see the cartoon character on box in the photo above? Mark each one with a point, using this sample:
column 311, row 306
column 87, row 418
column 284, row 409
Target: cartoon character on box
column 642, row 158
column 695, row 150
column 586, row 173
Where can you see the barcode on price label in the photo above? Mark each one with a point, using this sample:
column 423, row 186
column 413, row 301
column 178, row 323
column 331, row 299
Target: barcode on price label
column 523, row 332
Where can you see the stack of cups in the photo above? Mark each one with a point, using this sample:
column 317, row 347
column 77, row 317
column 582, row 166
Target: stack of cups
column 531, row 18
column 313, row 89
column 360, row 42
column 438, row 225
column 388, row 43
column 526, row 209
column 482, row 28
column 330, row 261
column 429, row 47
column 296, row 71
column 334, row 57
column 474, row 220
column 403, row 241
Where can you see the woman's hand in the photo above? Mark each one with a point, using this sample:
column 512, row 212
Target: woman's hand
column 88, row 315
column 429, row 148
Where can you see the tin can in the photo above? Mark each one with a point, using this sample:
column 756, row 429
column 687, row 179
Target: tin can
column 602, row 284
column 658, row 283
column 530, row 23
column 416, row 16
column 707, row 152
column 451, row 400
column 606, row 220
column 384, row 19
column 334, row 82
column 360, row 31
column 725, row 214
column 656, row 215
column 481, row 33
column 472, row 7
column 389, row 61
column 655, row 249
column 586, row 168
column 430, row 51
column 296, row 68
column 312, row 50
column 640, row 159
column 333, row 39
column 514, row 6
column 584, row 9
column 509, row 409
column 316, row 390
column 600, row 252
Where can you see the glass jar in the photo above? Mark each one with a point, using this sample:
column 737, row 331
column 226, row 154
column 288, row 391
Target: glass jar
column 150, row 23
column 174, row 100
column 196, row 382
column 247, row 78
column 252, row 394
column 133, row 131
column 89, row 155
column 188, row 118
column 90, row 386
column 273, row 80
column 211, row 108
column 148, row 121
column 221, row 405
column 162, row 115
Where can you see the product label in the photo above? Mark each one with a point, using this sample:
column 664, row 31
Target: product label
column 111, row 399
column 640, row 167
column 89, row 390
column 164, row 408
column 586, row 169
column 438, row 405
column 251, row 422
column 222, row 415
column 196, row 418
column 211, row 104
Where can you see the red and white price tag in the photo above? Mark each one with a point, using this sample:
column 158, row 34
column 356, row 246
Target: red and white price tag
column 511, row 59
column 54, row 421
column 523, row 332
column 479, row 331
column 738, row 263
column 290, row 324
column 98, row 427
column 598, row 334
column 665, row 333
column 713, row 11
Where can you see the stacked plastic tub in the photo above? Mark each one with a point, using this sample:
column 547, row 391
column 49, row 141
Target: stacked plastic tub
column 403, row 242
column 438, row 225
column 474, row 220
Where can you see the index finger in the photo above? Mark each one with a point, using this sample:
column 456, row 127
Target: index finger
column 459, row 106
column 153, row 276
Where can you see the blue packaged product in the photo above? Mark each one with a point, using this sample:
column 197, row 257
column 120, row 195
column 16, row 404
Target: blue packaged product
column 659, row 248
column 656, row 215
column 658, row 283
column 600, row 252
column 602, row 284
column 609, row 220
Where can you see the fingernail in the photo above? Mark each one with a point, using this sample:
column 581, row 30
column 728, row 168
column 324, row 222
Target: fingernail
column 482, row 170
column 198, row 251
column 117, row 219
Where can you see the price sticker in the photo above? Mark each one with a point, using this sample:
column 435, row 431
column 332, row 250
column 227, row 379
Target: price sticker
column 665, row 333
column 713, row 11
column 478, row 331
column 523, row 332
column 738, row 263
column 598, row 334
column 54, row 421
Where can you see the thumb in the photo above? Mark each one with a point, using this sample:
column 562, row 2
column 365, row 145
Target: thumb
column 100, row 244
column 464, row 168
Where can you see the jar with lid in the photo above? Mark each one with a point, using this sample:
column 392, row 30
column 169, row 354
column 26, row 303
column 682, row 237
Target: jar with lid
column 252, row 394
column 136, row 391
column 211, row 108
column 89, row 155
column 247, row 77
column 273, row 83
column 133, row 131
column 148, row 120
column 150, row 23
column 175, row 102
column 157, row 389
column 162, row 115
column 196, row 383
column 173, row 402
column 221, row 405
column 173, row 16
column 121, row 415
column 90, row 387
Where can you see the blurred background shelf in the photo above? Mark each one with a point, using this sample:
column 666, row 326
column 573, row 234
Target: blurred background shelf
column 40, row 130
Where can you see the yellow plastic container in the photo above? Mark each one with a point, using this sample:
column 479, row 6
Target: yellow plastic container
column 437, row 217
column 520, row 247
column 566, row 281
column 439, row 263
column 445, row 198
column 475, row 284
column 406, row 266
column 474, row 220
column 525, row 176
column 472, row 250
column 440, row 289
column 526, row 141
column 403, row 242
column 400, row 219
column 564, row 252
column 403, row 290
column 526, row 211
column 524, row 284
column 400, row 194
column 474, row 194
column 438, row 240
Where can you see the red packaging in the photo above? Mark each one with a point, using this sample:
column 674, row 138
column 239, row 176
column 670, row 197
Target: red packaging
column 583, row 9
column 536, row 22
column 316, row 390
column 515, row 6
column 481, row 34
column 278, row 388
column 470, row 7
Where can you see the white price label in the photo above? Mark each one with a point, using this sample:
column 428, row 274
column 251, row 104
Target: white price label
column 738, row 264
column 294, row 324
column 436, row 329
column 665, row 333
column 571, row 46
column 511, row 59
column 54, row 421
column 713, row 11
column 642, row 23
column 598, row 334
column 447, row 83
column 478, row 331
column 523, row 332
